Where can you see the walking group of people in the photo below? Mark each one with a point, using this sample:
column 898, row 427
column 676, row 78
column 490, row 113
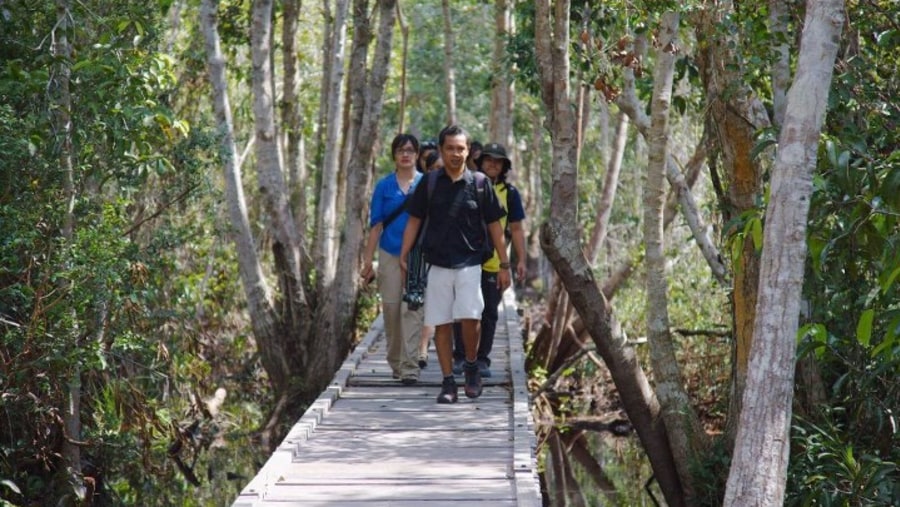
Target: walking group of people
column 450, row 200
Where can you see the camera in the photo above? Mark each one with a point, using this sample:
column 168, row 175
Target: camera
column 414, row 300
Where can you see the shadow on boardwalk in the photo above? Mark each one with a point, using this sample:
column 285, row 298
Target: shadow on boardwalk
column 370, row 441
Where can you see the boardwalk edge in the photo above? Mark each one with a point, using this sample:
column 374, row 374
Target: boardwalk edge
column 255, row 491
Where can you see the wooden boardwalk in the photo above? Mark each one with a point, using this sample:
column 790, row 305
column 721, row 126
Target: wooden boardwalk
column 370, row 441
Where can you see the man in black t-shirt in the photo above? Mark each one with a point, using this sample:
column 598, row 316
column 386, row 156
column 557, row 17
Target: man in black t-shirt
column 457, row 210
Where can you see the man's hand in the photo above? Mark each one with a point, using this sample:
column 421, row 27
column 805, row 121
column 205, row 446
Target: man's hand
column 503, row 279
column 521, row 270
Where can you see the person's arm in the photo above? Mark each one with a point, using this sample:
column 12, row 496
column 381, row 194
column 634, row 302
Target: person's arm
column 368, row 272
column 409, row 239
column 496, row 232
column 517, row 230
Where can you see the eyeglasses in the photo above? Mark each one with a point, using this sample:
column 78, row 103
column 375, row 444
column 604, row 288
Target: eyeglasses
column 406, row 151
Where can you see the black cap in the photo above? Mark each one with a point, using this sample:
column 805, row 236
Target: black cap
column 497, row 151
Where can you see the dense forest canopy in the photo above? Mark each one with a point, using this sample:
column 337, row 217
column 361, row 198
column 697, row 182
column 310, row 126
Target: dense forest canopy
column 181, row 222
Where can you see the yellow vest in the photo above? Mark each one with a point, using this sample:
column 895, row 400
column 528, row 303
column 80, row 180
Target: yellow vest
column 493, row 264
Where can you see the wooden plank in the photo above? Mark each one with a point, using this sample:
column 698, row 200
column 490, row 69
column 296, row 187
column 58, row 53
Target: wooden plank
column 370, row 441
column 423, row 441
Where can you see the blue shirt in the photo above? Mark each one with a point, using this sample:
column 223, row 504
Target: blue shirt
column 385, row 199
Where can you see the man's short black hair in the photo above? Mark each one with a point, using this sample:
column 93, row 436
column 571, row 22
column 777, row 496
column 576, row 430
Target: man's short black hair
column 453, row 130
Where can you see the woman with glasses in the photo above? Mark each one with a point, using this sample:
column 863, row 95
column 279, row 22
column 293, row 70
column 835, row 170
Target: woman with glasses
column 387, row 220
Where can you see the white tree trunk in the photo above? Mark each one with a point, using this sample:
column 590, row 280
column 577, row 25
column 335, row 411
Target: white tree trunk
column 62, row 120
column 449, row 69
column 608, row 195
column 630, row 104
column 682, row 424
column 759, row 465
column 501, row 118
column 293, row 142
column 327, row 230
column 366, row 84
column 256, row 289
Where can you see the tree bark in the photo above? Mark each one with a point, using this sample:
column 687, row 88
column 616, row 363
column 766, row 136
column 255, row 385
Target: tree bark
column 608, row 194
column 759, row 466
column 291, row 120
column 682, row 424
column 781, row 68
column 449, row 69
column 404, row 31
column 630, row 104
column 501, row 117
column 366, row 85
column 62, row 122
column 327, row 230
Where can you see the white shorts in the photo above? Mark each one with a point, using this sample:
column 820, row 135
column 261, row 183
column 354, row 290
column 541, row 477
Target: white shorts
column 453, row 294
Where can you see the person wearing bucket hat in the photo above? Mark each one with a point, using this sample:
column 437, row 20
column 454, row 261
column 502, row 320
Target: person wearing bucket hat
column 495, row 164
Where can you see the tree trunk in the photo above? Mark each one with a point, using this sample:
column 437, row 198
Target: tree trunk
column 266, row 327
column 291, row 120
column 630, row 104
column 781, row 68
column 759, row 466
column 608, row 195
column 62, row 121
column 501, row 118
column 560, row 240
column 366, row 85
column 682, row 425
column 327, row 230
column 449, row 69
column 404, row 31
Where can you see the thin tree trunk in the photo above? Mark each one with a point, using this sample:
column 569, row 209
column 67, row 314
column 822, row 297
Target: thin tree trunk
column 682, row 424
column 630, row 104
column 449, row 68
column 404, row 31
column 62, row 121
column 781, row 68
column 501, row 117
column 256, row 289
column 366, row 85
column 608, row 194
column 327, row 230
column 759, row 467
column 291, row 119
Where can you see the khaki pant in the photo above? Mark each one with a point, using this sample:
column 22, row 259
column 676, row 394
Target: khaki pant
column 402, row 327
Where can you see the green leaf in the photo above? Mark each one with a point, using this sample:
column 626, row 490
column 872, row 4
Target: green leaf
column 886, row 285
column 757, row 231
column 864, row 327
column 11, row 485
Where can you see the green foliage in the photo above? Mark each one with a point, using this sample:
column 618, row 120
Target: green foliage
column 119, row 306
column 711, row 476
column 848, row 454
column 828, row 469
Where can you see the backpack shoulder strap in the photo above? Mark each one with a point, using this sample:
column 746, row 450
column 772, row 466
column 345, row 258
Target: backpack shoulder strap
column 482, row 184
column 432, row 182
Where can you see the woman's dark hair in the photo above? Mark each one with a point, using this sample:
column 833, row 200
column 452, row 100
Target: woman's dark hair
column 431, row 159
column 401, row 140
